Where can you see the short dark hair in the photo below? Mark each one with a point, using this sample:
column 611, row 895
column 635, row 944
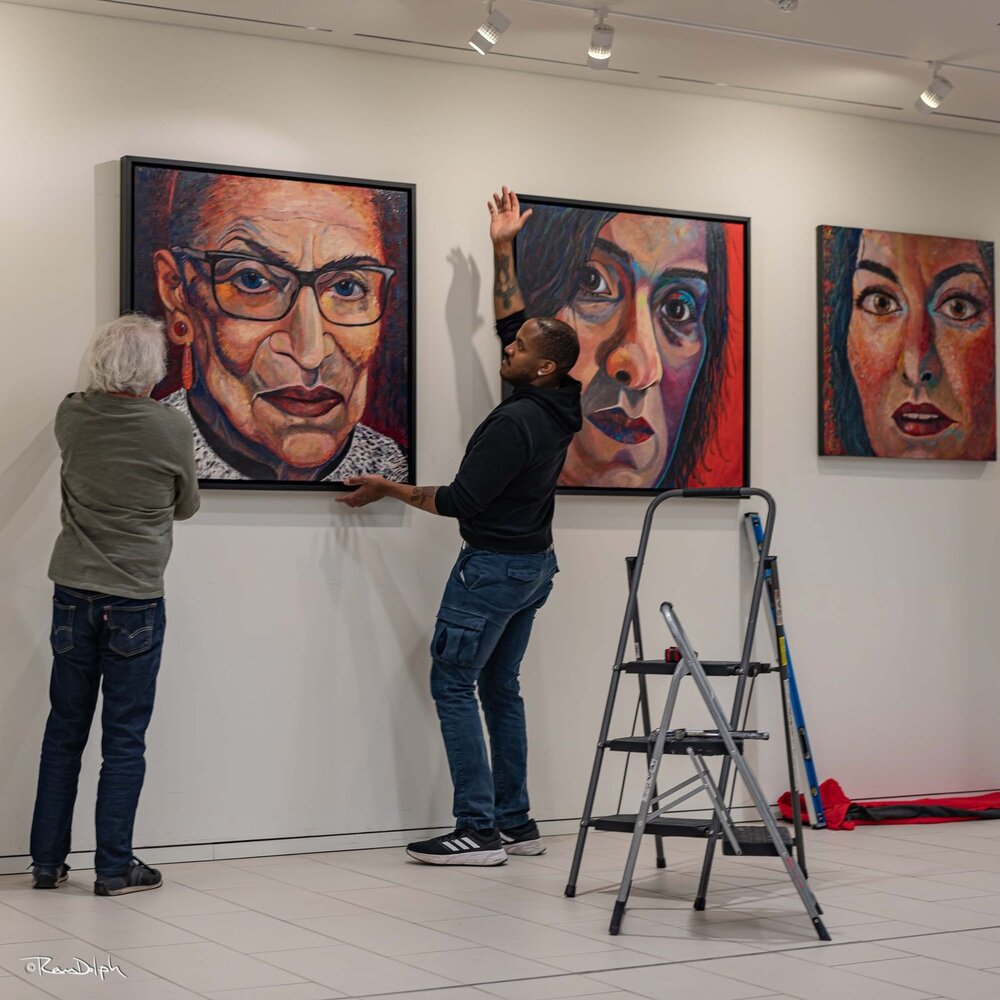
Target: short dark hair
column 559, row 343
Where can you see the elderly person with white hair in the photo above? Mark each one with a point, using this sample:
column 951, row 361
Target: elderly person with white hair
column 127, row 474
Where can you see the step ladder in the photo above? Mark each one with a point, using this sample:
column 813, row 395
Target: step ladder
column 726, row 741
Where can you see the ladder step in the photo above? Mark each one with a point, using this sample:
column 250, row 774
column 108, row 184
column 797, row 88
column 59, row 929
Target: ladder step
column 677, row 827
column 704, row 746
column 713, row 668
column 755, row 840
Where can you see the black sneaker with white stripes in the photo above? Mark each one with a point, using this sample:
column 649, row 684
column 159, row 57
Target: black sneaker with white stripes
column 522, row 840
column 463, row 847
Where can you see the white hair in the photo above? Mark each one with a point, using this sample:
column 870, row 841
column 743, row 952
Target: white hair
column 128, row 355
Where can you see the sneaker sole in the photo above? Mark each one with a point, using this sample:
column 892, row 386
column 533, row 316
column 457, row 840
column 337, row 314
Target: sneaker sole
column 126, row 889
column 478, row 858
column 526, row 848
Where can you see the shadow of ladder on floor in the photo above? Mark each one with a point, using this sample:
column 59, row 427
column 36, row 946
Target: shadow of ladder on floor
column 725, row 741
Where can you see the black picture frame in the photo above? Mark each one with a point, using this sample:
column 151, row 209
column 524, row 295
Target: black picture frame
column 401, row 295
column 743, row 222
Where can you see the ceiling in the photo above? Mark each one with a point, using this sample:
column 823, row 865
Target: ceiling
column 863, row 57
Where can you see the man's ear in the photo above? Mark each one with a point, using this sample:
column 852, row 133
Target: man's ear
column 170, row 286
column 546, row 368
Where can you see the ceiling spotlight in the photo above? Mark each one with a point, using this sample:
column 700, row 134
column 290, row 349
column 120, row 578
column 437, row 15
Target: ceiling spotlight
column 787, row 6
column 601, row 37
column 489, row 32
column 932, row 97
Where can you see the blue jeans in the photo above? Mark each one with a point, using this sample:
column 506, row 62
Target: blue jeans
column 113, row 643
column 481, row 634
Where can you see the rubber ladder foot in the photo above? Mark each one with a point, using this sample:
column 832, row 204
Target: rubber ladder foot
column 571, row 890
column 616, row 918
column 821, row 931
column 699, row 903
column 661, row 862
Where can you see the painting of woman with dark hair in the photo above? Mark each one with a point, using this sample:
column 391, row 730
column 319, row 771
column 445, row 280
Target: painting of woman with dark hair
column 658, row 303
column 907, row 345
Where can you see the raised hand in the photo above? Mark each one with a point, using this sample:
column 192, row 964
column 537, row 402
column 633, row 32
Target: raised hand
column 506, row 219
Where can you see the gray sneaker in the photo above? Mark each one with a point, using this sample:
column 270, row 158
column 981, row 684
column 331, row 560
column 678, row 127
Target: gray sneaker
column 49, row 876
column 136, row 878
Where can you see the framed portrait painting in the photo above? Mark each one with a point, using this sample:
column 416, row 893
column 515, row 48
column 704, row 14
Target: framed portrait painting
column 659, row 300
column 288, row 306
column 907, row 359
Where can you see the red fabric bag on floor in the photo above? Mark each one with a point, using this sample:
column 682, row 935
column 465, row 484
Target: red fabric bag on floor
column 843, row 814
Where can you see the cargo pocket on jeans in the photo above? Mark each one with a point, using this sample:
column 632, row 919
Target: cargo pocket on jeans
column 456, row 637
column 131, row 629
column 62, row 627
column 524, row 572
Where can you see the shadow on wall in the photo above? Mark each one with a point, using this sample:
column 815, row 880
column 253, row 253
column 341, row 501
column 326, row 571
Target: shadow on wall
column 23, row 709
column 23, row 684
column 107, row 242
column 409, row 616
column 21, row 478
column 474, row 389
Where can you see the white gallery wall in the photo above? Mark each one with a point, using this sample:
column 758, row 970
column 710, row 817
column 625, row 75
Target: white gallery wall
column 293, row 698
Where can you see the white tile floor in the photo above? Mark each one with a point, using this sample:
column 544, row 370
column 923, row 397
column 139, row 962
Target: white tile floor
column 914, row 912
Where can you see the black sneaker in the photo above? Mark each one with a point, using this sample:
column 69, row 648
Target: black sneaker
column 463, row 847
column 136, row 878
column 523, row 840
column 49, row 876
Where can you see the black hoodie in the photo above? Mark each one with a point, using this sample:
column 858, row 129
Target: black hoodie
column 504, row 493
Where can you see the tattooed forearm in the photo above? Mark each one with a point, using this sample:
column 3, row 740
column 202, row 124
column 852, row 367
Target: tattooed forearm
column 505, row 286
column 421, row 495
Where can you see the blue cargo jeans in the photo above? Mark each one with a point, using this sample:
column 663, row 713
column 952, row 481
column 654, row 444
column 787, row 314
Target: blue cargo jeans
column 482, row 631
column 98, row 641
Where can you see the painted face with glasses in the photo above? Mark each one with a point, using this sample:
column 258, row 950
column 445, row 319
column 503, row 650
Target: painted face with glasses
column 279, row 298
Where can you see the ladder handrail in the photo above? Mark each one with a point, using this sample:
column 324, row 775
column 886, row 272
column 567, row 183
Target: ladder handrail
column 740, row 493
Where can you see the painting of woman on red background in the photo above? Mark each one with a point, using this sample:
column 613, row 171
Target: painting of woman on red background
column 659, row 302
column 907, row 345
column 286, row 300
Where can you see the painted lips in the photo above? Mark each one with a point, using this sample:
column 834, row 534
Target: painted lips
column 921, row 419
column 298, row 401
column 619, row 426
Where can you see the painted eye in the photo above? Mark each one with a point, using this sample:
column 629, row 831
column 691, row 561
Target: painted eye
column 592, row 282
column 348, row 288
column 961, row 308
column 879, row 303
column 250, row 281
column 680, row 307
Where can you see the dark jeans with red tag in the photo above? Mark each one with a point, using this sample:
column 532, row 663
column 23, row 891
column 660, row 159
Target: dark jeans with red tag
column 109, row 644
column 482, row 631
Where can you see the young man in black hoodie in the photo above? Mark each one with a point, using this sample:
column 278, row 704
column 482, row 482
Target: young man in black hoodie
column 503, row 497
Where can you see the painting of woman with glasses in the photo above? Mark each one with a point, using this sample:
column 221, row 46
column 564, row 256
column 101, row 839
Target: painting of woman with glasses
column 659, row 303
column 287, row 305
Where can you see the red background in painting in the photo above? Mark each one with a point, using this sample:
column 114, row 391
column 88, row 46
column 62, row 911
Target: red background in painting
column 720, row 463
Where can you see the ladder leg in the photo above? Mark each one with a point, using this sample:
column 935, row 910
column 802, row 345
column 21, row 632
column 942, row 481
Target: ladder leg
column 713, row 837
column 800, row 851
column 648, row 796
column 661, row 861
column 595, row 774
column 749, row 779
